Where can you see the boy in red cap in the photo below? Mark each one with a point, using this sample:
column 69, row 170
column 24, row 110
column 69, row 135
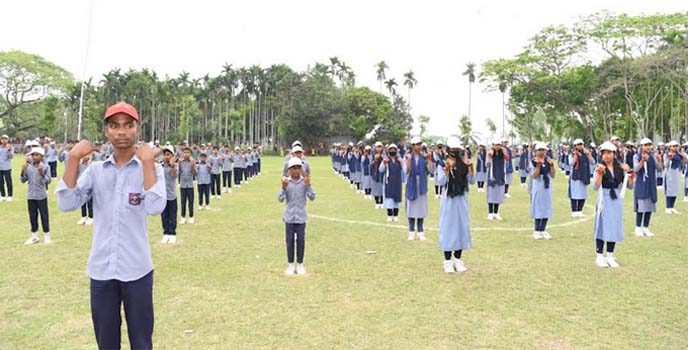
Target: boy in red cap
column 126, row 188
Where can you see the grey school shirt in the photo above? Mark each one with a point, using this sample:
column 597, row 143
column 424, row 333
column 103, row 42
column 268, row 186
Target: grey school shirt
column 6, row 156
column 295, row 195
column 203, row 173
column 170, row 180
column 36, row 182
column 216, row 164
column 186, row 174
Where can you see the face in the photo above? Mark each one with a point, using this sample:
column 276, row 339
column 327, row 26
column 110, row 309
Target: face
column 295, row 171
column 37, row 158
column 121, row 130
column 497, row 148
column 646, row 148
column 607, row 156
column 540, row 153
column 187, row 154
column 393, row 151
column 417, row 147
column 216, row 151
column 378, row 149
column 579, row 147
column 298, row 154
column 167, row 155
column 202, row 158
column 4, row 141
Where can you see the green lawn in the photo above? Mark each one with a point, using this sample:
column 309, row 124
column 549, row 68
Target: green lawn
column 222, row 287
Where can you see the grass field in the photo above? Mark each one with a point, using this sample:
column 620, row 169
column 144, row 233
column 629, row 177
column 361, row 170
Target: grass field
column 222, row 286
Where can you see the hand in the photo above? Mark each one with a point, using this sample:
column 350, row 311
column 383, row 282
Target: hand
column 385, row 160
column 41, row 170
column 550, row 161
column 173, row 160
column 645, row 156
column 625, row 167
column 8, row 146
column 146, row 153
column 600, row 169
column 467, row 161
column 25, row 166
column 81, row 149
column 285, row 182
column 586, row 151
column 491, row 153
column 306, row 179
column 450, row 163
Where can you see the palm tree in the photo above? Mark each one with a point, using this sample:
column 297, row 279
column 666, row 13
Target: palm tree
column 467, row 135
column 410, row 82
column 381, row 73
column 470, row 72
column 391, row 83
column 502, row 89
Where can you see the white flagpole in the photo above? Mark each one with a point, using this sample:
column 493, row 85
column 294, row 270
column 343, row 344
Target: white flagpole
column 83, row 75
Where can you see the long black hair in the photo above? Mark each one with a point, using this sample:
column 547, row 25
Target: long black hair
column 457, row 183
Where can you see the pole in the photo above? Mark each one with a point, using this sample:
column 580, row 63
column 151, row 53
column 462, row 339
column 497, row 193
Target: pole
column 83, row 75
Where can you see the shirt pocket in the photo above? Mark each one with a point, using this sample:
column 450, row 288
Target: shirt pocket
column 133, row 197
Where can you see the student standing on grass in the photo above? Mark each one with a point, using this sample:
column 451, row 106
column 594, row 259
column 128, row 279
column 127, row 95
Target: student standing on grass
column 203, row 180
column 87, row 208
column 661, row 150
column 685, row 173
column 238, row 161
column 524, row 159
column 37, row 174
column 673, row 163
column 496, row 163
column 296, row 152
column 509, row 166
column 126, row 188
column 417, row 169
column 215, row 172
column 227, row 166
column 438, row 158
column 377, row 176
column 481, row 172
column 542, row 171
column 609, row 181
column 51, row 158
column 366, row 160
column 6, row 155
column 187, row 172
column 645, row 165
column 169, row 215
column 455, row 222
column 391, row 168
column 295, row 189
column 580, row 159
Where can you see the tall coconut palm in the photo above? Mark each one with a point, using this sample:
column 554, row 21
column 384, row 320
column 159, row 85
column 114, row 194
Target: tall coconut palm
column 391, row 83
column 470, row 73
column 410, row 82
column 381, row 72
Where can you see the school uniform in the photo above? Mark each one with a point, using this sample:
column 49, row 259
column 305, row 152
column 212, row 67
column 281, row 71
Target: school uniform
column 509, row 169
column 37, row 196
column 244, row 168
column 187, row 171
column 392, row 186
column 169, row 214
column 352, row 167
column 51, row 159
column 565, row 165
column 377, row 178
column 249, row 166
column 357, row 170
column 455, row 221
column 6, row 156
column 524, row 165
column 578, row 181
column 120, row 264
column 239, row 165
column 481, row 169
column 417, row 193
column 203, row 182
column 345, row 165
column 87, row 208
column 541, row 198
column 438, row 160
column 672, row 178
column 215, row 172
column 367, row 178
column 496, row 180
column 304, row 166
column 644, row 192
column 608, row 224
column 227, row 166
column 295, row 217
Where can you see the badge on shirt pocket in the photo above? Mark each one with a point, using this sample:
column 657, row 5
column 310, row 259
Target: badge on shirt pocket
column 134, row 198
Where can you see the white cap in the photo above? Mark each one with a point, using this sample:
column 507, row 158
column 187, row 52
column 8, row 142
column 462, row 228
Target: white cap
column 672, row 143
column 416, row 140
column 169, row 148
column 504, row 139
column 368, row 148
column 454, row 142
column 645, row 141
column 157, row 141
column 38, row 150
column 481, row 143
column 293, row 161
column 351, row 143
column 607, row 146
column 577, row 142
column 237, row 148
column 685, row 144
column 629, row 143
column 378, row 144
column 4, row 136
column 391, row 145
column 497, row 141
column 540, row 145
column 660, row 143
column 615, row 138
column 296, row 143
column 592, row 144
column 359, row 143
column 296, row 149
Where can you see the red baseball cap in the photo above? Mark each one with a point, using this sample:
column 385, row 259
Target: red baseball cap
column 122, row 107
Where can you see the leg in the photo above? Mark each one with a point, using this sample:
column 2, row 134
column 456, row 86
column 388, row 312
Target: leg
column 190, row 194
column 90, row 208
column 8, row 181
column 289, row 238
column 106, row 300
column 457, row 254
column 207, row 194
column 43, row 210
column 412, row 224
column 646, row 219
column 396, row 212
column 165, row 217
column 172, row 219
column 420, row 225
column 600, row 246
column 2, row 183
column 447, row 255
column 610, row 247
column 33, row 215
column 138, row 310
column 184, row 198
column 300, row 242
column 638, row 219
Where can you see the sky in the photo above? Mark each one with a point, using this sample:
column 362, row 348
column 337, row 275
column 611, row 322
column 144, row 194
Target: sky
column 435, row 39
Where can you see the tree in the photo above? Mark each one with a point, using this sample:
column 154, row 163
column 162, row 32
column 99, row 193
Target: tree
column 410, row 82
column 391, row 84
column 470, row 73
column 466, row 134
column 381, row 72
column 424, row 120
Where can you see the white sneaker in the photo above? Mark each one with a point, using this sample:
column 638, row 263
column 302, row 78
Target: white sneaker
column 506, row 195
column 238, row 186
column 291, row 270
column 647, row 232
column 207, row 207
column 9, row 199
column 421, row 236
column 685, row 199
column 601, row 261
column 673, row 210
column 639, row 232
column 389, row 219
column 89, row 221
column 497, row 217
column 546, row 235
column 448, row 266
column 459, row 266
column 200, row 207
column 229, row 190
column 574, row 214
column 172, row 239
column 224, row 190
column 81, row 221
column 490, row 216
column 183, row 221
column 668, row 211
column 300, row 269
column 165, row 239
column 2, row 199
column 191, row 220
column 537, row 235
column 411, row 236
column 32, row 240
column 611, row 261
column 46, row 238
column 396, row 218
column 212, row 196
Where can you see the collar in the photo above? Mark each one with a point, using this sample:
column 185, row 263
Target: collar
column 111, row 160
